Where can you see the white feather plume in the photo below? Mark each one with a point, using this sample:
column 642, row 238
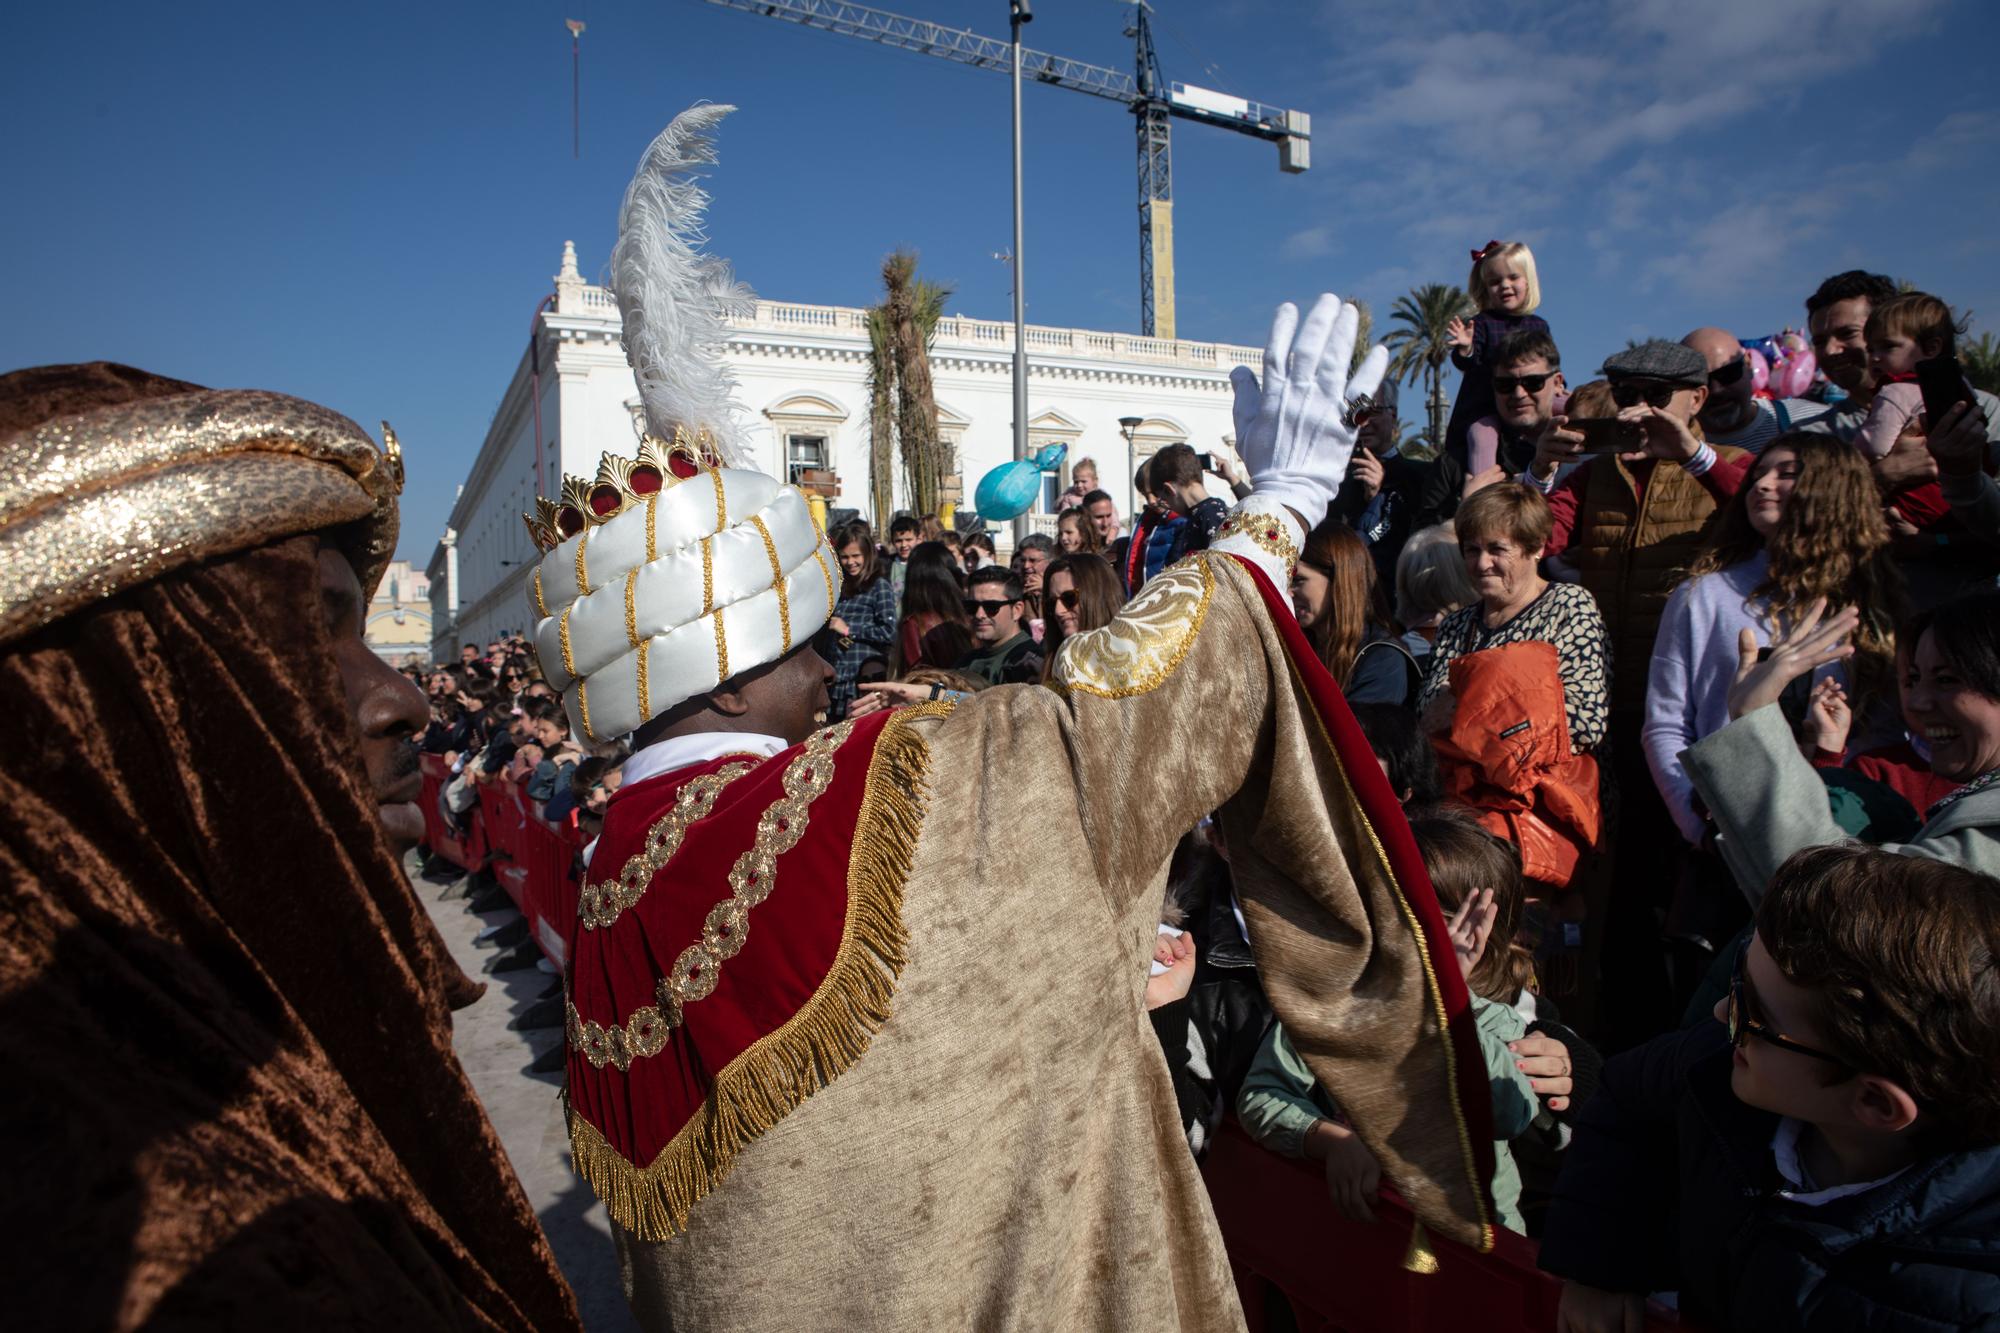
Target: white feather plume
column 675, row 300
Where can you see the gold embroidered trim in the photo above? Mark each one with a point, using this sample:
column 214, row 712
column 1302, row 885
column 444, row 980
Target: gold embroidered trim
column 582, row 576
column 583, row 709
column 721, row 649
column 604, row 902
column 707, row 576
column 631, row 609
column 652, row 543
column 1264, row 531
column 777, row 580
column 1432, row 991
column 695, row 973
column 825, row 572
column 541, row 607
column 1147, row 641
column 645, row 690
column 562, row 636
column 830, row 1032
column 721, row 506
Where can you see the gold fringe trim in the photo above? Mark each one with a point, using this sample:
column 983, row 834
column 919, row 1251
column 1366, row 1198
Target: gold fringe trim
column 582, row 573
column 830, row 1032
column 541, row 607
column 583, row 704
column 652, row 534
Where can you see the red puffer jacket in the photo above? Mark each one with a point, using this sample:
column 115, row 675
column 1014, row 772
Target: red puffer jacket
column 1507, row 755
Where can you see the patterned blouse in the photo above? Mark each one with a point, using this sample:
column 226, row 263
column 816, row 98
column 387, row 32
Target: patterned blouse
column 1564, row 615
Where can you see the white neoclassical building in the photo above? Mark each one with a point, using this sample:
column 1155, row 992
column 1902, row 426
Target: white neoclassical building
column 802, row 378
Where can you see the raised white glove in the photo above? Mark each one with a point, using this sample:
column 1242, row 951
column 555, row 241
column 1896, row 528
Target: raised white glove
column 1290, row 428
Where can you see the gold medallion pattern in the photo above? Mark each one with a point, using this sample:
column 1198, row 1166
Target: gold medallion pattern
column 1148, row 640
column 603, row 903
column 695, row 972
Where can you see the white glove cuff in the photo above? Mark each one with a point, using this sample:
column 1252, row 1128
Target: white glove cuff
column 1263, row 531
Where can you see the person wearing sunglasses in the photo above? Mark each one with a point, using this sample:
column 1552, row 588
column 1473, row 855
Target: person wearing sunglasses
column 1734, row 414
column 1528, row 388
column 1002, row 653
column 1824, row 1155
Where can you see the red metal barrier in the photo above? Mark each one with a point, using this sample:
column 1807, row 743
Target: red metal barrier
column 1338, row 1276
column 468, row 850
column 533, row 859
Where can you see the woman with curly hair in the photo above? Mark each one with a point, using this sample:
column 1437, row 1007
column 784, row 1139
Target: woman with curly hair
column 1807, row 524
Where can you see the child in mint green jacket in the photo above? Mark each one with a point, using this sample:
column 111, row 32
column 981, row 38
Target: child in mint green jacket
column 1281, row 1106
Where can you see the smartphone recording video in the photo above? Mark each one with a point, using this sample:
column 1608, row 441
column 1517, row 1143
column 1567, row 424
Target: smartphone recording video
column 1608, row 435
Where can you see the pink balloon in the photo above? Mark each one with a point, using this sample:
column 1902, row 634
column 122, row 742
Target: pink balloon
column 1760, row 369
column 1808, row 369
column 1792, row 376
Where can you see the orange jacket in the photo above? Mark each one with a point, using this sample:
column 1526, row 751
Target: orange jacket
column 1507, row 755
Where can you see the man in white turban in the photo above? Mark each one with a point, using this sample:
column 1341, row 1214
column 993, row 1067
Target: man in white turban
column 817, row 1071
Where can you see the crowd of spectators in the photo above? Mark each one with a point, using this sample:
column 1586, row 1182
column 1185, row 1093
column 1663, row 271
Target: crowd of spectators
column 1692, row 698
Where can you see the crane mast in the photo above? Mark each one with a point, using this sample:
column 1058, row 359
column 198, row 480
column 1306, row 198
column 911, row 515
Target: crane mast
column 1155, row 104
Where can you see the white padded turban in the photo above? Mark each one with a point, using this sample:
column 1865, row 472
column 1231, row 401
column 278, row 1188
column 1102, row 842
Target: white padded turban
column 676, row 593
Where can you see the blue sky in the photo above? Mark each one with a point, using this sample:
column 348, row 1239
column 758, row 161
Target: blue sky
column 362, row 204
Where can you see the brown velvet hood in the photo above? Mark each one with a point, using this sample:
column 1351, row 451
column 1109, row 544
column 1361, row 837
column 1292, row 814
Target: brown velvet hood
column 229, row 1097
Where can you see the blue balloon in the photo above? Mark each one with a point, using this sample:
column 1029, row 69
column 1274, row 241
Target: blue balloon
column 1011, row 489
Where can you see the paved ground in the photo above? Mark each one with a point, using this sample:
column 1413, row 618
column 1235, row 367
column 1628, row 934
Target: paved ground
column 524, row 1108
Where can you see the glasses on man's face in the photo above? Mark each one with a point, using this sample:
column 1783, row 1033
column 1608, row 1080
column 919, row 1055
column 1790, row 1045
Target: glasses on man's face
column 991, row 608
column 1742, row 1026
column 1654, row 393
column 1506, row 384
column 1725, row 375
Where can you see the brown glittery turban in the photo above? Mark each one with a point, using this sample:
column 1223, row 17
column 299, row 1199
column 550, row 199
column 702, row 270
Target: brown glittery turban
column 98, row 497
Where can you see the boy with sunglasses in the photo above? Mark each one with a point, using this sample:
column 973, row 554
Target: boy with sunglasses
column 1826, row 1154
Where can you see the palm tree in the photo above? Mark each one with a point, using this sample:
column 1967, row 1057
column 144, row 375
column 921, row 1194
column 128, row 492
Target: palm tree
column 1982, row 362
column 881, row 418
column 1420, row 343
column 1364, row 332
column 900, row 333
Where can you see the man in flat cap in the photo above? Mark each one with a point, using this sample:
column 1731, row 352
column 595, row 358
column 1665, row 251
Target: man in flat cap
column 230, row 1098
column 1629, row 523
column 817, row 1073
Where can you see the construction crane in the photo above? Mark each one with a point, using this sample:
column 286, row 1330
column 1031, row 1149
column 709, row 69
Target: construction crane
column 1153, row 101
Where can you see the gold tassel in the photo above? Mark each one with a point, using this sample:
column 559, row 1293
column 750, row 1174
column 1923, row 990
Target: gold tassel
column 1420, row 1258
column 830, row 1032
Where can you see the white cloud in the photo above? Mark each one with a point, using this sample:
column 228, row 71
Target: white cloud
column 1307, row 243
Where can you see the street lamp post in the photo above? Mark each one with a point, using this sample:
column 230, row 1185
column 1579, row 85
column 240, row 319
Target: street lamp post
column 1129, row 428
column 1019, row 12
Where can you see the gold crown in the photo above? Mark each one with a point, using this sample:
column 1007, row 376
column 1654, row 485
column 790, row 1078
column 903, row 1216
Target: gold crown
column 620, row 483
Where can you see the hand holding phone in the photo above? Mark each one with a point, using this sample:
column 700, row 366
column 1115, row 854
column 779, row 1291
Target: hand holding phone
column 1944, row 386
column 1608, row 435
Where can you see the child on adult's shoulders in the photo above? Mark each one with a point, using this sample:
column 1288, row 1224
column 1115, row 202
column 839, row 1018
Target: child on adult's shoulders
column 1826, row 1154
column 1505, row 287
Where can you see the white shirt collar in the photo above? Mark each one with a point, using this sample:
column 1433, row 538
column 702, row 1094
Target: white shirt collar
column 664, row 756
column 1798, row 1181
